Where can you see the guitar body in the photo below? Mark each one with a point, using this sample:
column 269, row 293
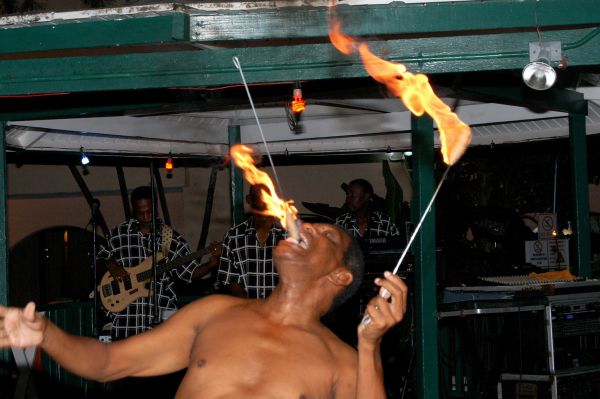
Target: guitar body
column 117, row 295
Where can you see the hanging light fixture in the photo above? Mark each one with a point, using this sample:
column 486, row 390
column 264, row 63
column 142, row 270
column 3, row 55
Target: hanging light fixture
column 295, row 108
column 84, row 158
column 298, row 103
column 539, row 74
column 169, row 164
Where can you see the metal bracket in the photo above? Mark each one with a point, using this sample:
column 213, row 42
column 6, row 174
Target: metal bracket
column 551, row 51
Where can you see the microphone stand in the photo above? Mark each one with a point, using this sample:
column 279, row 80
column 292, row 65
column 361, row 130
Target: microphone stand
column 156, row 313
column 95, row 208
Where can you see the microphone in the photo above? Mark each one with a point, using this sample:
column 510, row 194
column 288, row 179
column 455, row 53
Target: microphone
column 95, row 205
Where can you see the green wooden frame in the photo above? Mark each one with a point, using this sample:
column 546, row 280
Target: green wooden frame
column 167, row 50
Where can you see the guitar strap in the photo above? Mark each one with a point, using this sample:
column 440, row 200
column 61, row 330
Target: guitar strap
column 167, row 235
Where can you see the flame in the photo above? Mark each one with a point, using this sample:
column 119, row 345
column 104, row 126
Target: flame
column 285, row 211
column 414, row 91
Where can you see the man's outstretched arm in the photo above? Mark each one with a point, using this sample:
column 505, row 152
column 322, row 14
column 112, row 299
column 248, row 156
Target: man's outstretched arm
column 89, row 358
column 384, row 314
column 24, row 327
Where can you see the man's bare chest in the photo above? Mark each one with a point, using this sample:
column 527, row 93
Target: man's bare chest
column 258, row 360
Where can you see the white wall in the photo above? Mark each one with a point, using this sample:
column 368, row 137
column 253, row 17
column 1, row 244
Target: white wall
column 47, row 196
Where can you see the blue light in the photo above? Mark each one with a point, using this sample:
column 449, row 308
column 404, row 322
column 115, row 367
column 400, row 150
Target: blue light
column 84, row 158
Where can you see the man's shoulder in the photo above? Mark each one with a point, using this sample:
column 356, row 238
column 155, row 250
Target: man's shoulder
column 239, row 229
column 215, row 304
column 123, row 227
column 338, row 347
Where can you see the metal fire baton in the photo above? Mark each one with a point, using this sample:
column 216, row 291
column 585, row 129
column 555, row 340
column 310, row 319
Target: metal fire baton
column 385, row 293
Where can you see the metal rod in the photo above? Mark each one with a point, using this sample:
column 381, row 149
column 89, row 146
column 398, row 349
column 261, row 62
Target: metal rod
column 89, row 198
column 385, row 293
column 427, row 210
column 124, row 194
column 161, row 196
column 237, row 64
column 555, row 188
column 153, row 312
column 210, row 195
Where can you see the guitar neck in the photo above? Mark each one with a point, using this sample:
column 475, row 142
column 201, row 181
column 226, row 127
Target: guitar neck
column 165, row 267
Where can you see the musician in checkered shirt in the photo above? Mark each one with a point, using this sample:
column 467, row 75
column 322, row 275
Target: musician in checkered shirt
column 362, row 222
column 246, row 268
column 128, row 245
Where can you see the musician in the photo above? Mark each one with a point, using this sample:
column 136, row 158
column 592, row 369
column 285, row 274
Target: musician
column 128, row 245
column 245, row 348
column 246, row 268
column 363, row 220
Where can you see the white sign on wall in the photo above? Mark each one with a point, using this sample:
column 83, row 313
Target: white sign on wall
column 546, row 225
column 547, row 254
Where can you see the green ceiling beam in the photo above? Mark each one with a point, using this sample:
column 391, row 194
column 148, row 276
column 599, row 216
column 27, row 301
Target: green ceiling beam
column 294, row 23
column 204, row 68
column 393, row 19
column 121, row 30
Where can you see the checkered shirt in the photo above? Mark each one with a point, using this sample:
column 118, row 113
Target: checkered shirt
column 245, row 262
column 128, row 247
column 379, row 225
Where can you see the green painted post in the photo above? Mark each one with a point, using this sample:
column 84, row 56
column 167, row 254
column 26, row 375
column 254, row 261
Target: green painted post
column 4, row 277
column 426, row 339
column 580, row 193
column 237, row 179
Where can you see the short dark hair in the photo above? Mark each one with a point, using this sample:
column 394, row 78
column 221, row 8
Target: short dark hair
column 142, row 192
column 354, row 261
column 365, row 185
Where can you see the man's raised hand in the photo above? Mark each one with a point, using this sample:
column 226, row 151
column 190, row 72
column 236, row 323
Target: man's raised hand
column 384, row 313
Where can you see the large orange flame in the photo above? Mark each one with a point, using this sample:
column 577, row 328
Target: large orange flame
column 414, row 91
column 285, row 211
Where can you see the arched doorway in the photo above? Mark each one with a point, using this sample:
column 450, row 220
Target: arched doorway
column 52, row 265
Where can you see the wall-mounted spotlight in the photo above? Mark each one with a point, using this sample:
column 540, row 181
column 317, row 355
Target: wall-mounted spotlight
column 84, row 158
column 540, row 74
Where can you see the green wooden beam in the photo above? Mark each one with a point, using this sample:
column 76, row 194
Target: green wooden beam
column 580, row 196
column 237, row 179
column 424, row 256
column 392, row 19
column 204, row 68
column 4, row 272
column 117, row 30
column 222, row 24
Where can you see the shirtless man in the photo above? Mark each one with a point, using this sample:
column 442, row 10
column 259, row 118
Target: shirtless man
column 243, row 348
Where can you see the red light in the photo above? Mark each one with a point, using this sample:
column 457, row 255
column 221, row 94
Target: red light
column 169, row 164
column 298, row 104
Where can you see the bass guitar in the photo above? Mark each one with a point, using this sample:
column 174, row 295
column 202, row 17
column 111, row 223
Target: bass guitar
column 115, row 294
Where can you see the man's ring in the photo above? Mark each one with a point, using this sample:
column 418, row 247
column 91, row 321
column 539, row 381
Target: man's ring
column 376, row 307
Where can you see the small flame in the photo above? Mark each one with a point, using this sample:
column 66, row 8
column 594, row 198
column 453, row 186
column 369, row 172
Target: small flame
column 414, row 91
column 283, row 210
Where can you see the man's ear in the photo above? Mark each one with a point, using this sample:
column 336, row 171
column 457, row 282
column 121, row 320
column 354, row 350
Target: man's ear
column 341, row 276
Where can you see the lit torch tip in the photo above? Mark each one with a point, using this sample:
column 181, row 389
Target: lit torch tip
column 292, row 226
